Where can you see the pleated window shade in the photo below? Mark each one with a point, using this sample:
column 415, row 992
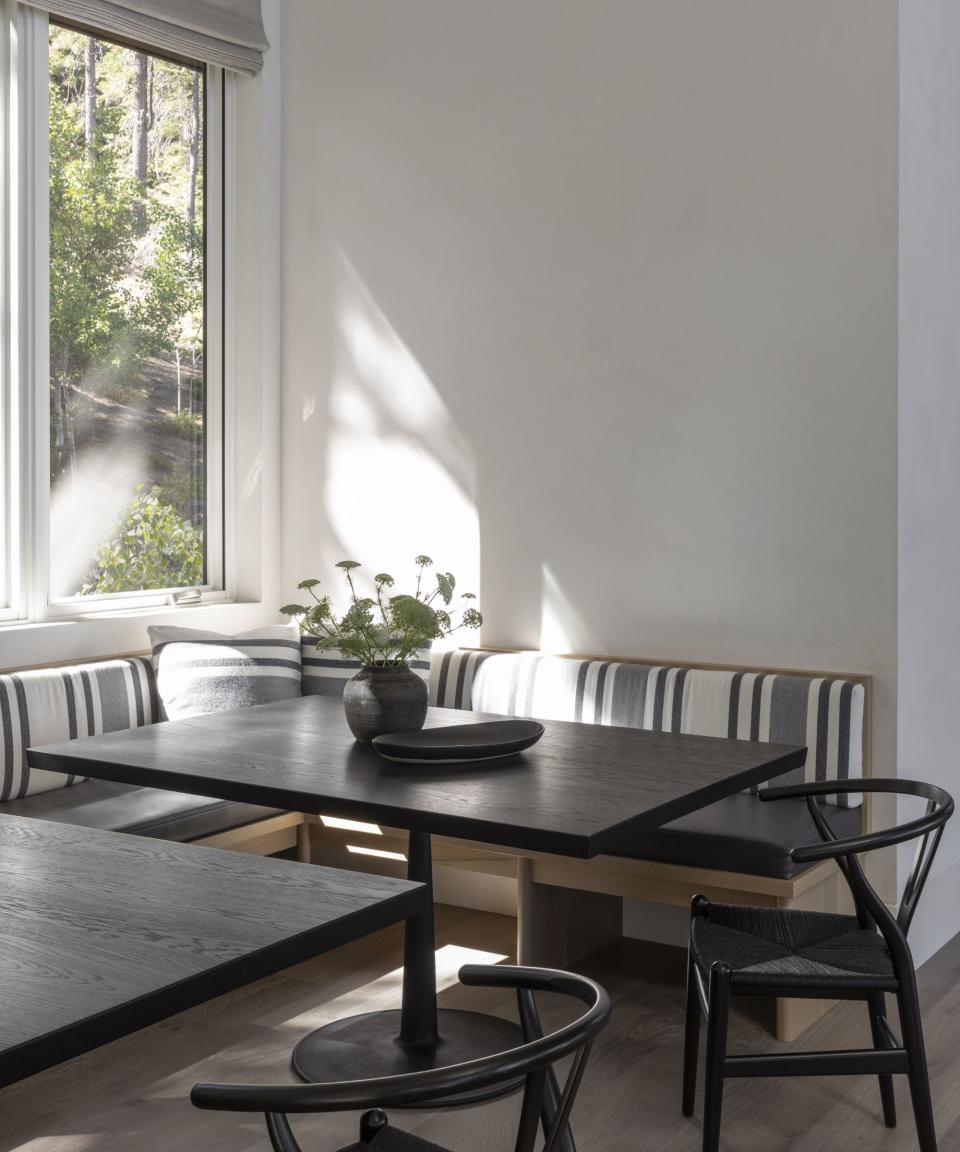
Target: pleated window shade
column 225, row 32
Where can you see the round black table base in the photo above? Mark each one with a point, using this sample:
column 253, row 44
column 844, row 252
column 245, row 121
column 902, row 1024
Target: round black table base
column 368, row 1046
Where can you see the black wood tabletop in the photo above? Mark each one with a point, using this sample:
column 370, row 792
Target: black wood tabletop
column 103, row 933
column 583, row 789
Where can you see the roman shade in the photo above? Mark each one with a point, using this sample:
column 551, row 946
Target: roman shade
column 225, row 32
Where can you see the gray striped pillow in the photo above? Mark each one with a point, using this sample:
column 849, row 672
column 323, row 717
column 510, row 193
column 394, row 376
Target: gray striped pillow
column 199, row 672
column 54, row 704
column 326, row 670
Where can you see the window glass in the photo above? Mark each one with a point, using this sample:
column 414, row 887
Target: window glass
column 127, row 319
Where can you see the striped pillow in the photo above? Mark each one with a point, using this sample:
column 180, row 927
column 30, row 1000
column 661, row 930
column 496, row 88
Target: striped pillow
column 54, row 704
column 823, row 713
column 325, row 671
column 199, row 672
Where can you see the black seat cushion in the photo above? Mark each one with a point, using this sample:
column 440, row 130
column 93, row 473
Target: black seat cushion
column 742, row 834
column 770, row 947
column 390, row 1139
column 140, row 811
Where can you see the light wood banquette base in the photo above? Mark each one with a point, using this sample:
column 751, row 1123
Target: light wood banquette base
column 266, row 837
column 568, row 908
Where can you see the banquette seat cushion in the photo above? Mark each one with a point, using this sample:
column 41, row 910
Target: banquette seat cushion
column 55, row 704
column 139, row 811
column 739, row 834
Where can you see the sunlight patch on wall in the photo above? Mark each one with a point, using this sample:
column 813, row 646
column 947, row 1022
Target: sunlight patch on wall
column 562, row 626
column 400, row 476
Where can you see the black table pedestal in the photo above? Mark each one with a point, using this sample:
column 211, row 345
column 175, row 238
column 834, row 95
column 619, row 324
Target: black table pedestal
column 418, row 1036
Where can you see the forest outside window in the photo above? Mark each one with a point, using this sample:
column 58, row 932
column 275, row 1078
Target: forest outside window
column 127, row 306
column 112, row 478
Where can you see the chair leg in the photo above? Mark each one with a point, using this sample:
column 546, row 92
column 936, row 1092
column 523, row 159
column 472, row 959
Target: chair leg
column 691, row 1040
column 371, row 1122
column 909, row 1004
column 878, row 1008
column 717, row 1017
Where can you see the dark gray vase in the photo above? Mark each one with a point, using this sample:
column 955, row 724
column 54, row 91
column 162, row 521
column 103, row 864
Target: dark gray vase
column 384, row 698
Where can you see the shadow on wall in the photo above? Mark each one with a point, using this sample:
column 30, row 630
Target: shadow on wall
column 398, row 477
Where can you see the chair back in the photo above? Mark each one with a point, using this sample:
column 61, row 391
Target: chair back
column 533, row 1061
column 927, row 830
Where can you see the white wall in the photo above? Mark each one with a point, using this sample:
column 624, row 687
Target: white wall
column 929, row 619
column 599, row 301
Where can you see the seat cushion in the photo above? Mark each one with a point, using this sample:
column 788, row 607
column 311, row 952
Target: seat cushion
column 140, row 811
column 390, row 1139
column 742, row 834
column 767, row 947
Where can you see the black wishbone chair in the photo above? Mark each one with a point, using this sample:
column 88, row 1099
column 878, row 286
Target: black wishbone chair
column 785, row 952
column 543, row 1098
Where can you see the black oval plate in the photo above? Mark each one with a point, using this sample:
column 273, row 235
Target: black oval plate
column 459, row 743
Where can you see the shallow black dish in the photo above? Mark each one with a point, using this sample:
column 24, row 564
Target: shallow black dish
column 460, row 743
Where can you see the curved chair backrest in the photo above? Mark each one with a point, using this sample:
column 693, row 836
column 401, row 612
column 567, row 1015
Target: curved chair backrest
column 927, row 829
column 534, row 1060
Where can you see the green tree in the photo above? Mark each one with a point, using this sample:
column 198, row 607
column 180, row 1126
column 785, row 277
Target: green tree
column 126, row 295
column 153, row 547
column 92, row 231
column 169, row 314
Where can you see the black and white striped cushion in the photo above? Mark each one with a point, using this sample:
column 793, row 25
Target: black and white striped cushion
column 199, row 672
column 823, row 713
column 55, row 704
column 325, row 671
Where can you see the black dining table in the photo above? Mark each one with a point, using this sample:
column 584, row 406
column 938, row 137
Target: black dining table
column 102, row 933
column 582, row 790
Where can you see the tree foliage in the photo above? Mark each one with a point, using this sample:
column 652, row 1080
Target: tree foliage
column 153, row 547
column 126, row 294
column 91, row 246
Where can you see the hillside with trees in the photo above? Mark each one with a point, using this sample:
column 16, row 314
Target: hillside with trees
column 126, row 312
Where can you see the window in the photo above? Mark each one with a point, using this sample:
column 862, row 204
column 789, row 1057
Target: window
column 111, row 428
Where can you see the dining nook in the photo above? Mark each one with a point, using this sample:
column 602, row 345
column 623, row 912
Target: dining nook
column 478, row 652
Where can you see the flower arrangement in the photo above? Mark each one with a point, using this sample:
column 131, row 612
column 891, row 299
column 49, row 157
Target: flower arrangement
column 385, row 630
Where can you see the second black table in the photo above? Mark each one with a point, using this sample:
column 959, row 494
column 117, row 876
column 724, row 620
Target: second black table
column 583, row 790
column 103, row 933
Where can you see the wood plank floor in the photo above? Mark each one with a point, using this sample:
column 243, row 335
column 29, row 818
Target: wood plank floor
column 133, row 1094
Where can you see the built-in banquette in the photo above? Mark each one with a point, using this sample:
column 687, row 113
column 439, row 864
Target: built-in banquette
column 46, row 705
column 735, row 851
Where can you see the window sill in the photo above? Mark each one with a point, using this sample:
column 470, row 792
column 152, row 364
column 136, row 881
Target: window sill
column 95, row 635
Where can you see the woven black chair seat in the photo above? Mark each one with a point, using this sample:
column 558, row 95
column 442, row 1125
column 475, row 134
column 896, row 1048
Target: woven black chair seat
column 766, row 947
column 390, row 1139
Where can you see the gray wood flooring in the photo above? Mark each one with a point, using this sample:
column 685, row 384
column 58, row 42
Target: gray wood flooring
column 133, row 1094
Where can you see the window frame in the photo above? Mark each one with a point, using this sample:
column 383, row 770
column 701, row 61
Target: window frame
column 24, row 293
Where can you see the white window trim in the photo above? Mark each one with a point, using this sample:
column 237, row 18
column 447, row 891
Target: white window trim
column 25, row 269
column 7, row 560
